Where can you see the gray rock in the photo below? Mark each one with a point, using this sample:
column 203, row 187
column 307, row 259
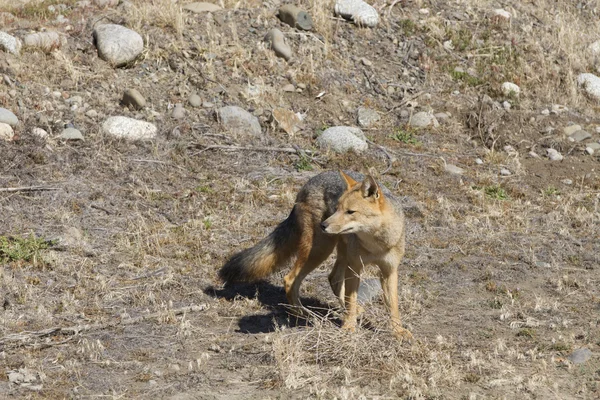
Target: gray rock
column 554, row 155
column 295, row 17
column 71, row 134
column 510, row 89
column 367, row 117
column 178, row 111
column 239, row 120
column 6, row 132
column 358, row 11
column 8, row 117
column 589, row 150
column 580, row 356
column 579, row 136
column 505, row 172
column 117, row 45
column 9, row 43
column 289, row 88
column 39, row 132
column 571, row 129
column 133, row 98
column 590, row 83
column 91, row 113
column 453, row 169
column 277, row 42
column 201, row 7
column 442, row 117
column 593, row 145
column 195, row 100
column 45, row 41
column 129, row 128
column 421, row 119
column 342, row 139
column 368, row 290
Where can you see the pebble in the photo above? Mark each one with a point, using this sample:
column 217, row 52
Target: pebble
column 567, row 181
column 201, row 7
column 8, row 117
column 367, row 117
column 10, row 43
column 342, row 139
column 45, row 41
column 238, row 120
column 545, row 112
column 129, row 128
column 478, row 161
column 533, row 154
column 506, row 105
column 134, row 99
column 91, row 113
column 579, row 136
column 558, row 109
column 195, row 100
column 453, row 169
column 554, row 155
column 571, row 129
column 71, row 134
column 117, row 45
column 421, row 119
column 580, row 356
column 366, row 62
column 594, row 48
column 361, row 13
column 39, row 132
column 590, row 84
column 277, row 42
column 295, row 17
column 289, row 88
column 593, row 146
column 442, row 117
column 6, row 132
column 589, row 150
column 505, row 172
column 510, row 89
column 178, row 111
column 501, row 14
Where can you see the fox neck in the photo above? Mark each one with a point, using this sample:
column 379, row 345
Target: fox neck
column 388, row 234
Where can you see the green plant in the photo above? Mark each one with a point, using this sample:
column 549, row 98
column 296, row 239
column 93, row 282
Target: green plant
column 551, row 191
column 466, row 78
column 405, row 136
column 303, row 164
column 495, row 192
column 207, row 223
column 13, row 249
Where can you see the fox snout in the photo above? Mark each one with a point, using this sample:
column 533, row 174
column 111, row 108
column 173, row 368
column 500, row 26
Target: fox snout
column 324, row 226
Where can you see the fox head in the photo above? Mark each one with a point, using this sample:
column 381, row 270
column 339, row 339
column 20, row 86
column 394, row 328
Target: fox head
column 359, row 209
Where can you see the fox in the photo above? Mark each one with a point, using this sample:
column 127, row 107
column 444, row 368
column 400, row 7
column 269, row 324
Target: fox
column 343, row 211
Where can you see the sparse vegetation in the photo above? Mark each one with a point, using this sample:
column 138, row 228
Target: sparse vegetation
column 405, row 135
column 15, row 249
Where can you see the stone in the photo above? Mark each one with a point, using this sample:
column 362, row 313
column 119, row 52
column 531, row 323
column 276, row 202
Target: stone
column 129, row 128
column 6, row 132
column 510, row 89
column 545, row 111
column 567, row 181
column 295, row 17
column 594, row 48
column 366, row 62
column 579, row 136
column 134, row 99
column 106, row 3
column 178, row 111
column 554, row 155
column 421, row 119
column 571, row 129
column 201, row 7
column 39, row 132
column 594, row 146
column 117, row 45
column 45, row 41
column 558, row 109
column 8, row 117
column 500, row 14
column 9, row 43
column 195, row 100
column 589, row 150
column 342, row 139
column 289, row 88
column 91, row 113
column 453, row 169
column 580, row 356
column 277, row 43
column 238, row 120
column 590, row 83
column 442, row 117
column 367, row 117
column 506, row 105
column 357, row 11
column 478, row 161
column 71, row 134
column 505, row 172
column 368, row 290
column 287, row 120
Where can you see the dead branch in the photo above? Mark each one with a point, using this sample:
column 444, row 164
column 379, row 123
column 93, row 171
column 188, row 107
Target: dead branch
column 26, row 338
column 250, row 148
column 27, row 189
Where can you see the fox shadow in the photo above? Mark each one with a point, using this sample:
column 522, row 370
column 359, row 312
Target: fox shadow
column 272, row 297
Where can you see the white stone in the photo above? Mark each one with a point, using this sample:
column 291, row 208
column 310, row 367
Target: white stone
column 8, row 117
column 571, row 129
column 590, row 84
column 589, row 150
column 509, row 88
column 129, row 128
column 421, row 119
column 501, row 13
column 39, row 132
column 342, row 139
column 238, row 120
column 6, row 132
column 10, row 43
column 554, row 155
column 453, row 169
column 45, row 41
column 117, row 45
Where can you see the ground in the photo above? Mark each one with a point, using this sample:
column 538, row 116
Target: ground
column 108, row 266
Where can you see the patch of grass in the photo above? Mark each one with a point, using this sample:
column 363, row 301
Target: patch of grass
column 526, row 332
column 16, row 249
column 551, row 191
column 204, row 189
column 466, row 78
column 472, row 378
column 495, row 192
column 461, row 39
column 406, row 136
column 39, row 10
column 207, row 223
column 303, row 164
column 408, row 26
column 560, row 347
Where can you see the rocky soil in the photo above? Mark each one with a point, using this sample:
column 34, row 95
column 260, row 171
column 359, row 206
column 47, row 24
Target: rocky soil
column 145, row 141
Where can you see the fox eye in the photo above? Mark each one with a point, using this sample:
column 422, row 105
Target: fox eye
column 350, row 212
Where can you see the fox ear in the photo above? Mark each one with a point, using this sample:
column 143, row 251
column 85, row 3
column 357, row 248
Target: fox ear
column 349, row 181
column 370, row 188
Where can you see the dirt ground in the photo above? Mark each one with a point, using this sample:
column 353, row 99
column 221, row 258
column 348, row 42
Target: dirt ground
column 500, row 283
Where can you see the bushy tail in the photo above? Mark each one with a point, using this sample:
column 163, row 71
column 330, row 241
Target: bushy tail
column 266, row 256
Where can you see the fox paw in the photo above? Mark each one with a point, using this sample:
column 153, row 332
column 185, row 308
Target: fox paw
column 403, row 335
